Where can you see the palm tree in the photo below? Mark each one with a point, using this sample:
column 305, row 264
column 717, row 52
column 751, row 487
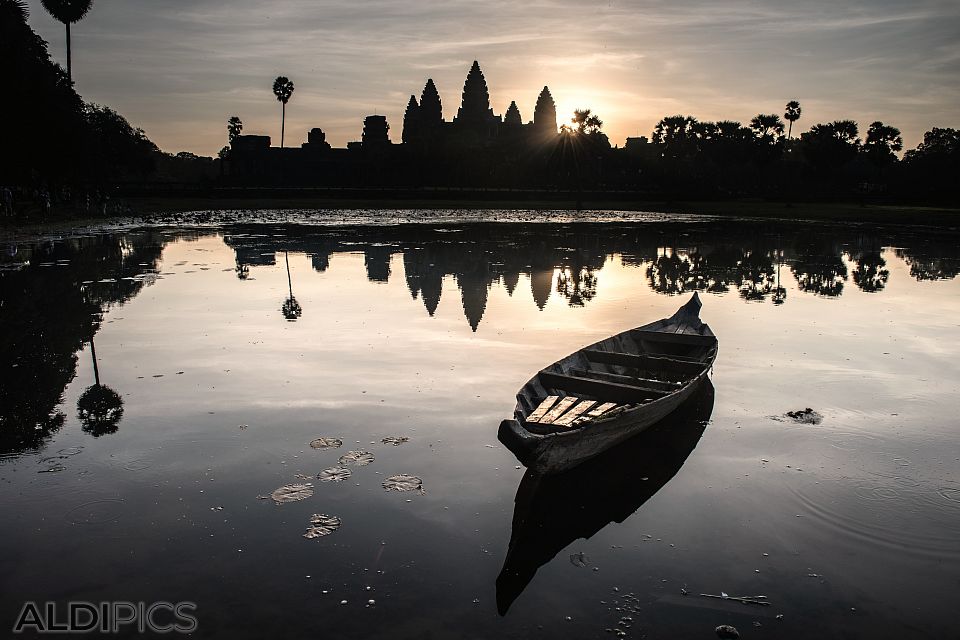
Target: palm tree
column 792, row 114
column 67, row 12
column 767, row 126
column 234, row 127
column 283, row 89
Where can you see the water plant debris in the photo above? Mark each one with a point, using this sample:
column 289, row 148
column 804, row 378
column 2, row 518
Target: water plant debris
column 801, row 416
column 326, row 443
column 761, row 600
column 321, row 525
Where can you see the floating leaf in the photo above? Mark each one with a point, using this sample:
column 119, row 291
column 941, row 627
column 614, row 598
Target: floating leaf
column 292, row 493
column 326, row 443
column 403, row 482
column 334, row 474
column 321, row 525
column 395, row 440
column 359, row 458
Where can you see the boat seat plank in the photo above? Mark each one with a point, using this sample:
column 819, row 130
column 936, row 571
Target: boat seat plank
column 544, row 406
column 600, row 389
column 674, row 338
column 673, row 356
column 596, row 412
column 665, row 363
column 558, row 409
column 567, row 419
column 637, row 381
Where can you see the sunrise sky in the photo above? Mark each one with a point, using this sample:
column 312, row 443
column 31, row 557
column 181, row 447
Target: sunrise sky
column 180, row 68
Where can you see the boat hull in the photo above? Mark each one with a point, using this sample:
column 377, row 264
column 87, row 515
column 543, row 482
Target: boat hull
column 678, row 351
column 555, row 452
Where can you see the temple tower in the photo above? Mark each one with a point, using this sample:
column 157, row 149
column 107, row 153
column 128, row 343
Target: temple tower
column 512, row 116
column 375, row 130
column 545, row 113
column 475, row 120
column 411, row 121
column 475, row 105
column 431, row 110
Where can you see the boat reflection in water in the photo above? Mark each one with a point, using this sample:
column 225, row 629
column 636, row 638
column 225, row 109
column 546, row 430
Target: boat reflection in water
column 553, row 511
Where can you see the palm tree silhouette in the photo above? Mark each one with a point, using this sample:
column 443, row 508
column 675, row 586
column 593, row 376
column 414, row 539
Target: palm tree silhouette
column 792, row 114
column 767, row 126
column 234, row 127
column 67, row 12
column 283, row 89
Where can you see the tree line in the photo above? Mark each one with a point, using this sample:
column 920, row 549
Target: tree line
column 763, row 158
column 55, row 138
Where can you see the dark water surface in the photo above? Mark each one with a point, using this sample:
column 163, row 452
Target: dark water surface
column 150, row 487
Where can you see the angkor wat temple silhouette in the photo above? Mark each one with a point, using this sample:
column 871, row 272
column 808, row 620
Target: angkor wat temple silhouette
column 476, row 148
column 475, row 123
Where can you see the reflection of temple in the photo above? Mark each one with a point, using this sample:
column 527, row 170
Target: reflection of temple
column 475, row 263
column 566, row 262
column 49, row 313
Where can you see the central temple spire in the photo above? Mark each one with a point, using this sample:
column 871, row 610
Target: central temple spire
column 475, row 106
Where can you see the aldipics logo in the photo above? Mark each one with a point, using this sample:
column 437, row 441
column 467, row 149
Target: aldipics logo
column 106, row 617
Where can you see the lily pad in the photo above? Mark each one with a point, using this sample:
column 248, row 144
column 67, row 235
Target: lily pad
column 321, row 525
column 334, row 474
column 326, row 443
column 395, row 440
column 359, row 458
column 403, row 482
column 292, row 493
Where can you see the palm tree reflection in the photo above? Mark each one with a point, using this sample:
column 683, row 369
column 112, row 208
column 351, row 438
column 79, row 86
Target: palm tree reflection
column 99, row 408
column 577, row 284
column 291, row 309
column 755, row 276
column 819, row 269
column 871, row 274
column 669, row 273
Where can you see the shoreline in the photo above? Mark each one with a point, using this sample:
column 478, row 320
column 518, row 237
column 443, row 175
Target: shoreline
column 187, row 210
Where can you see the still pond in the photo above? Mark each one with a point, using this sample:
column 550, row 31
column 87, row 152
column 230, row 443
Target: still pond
column 159, row 384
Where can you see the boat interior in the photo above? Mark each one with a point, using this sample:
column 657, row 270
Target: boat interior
column 615, row 375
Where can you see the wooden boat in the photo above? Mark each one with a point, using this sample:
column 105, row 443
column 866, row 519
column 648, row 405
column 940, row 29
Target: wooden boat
column 551, row 512
column 609, row 391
